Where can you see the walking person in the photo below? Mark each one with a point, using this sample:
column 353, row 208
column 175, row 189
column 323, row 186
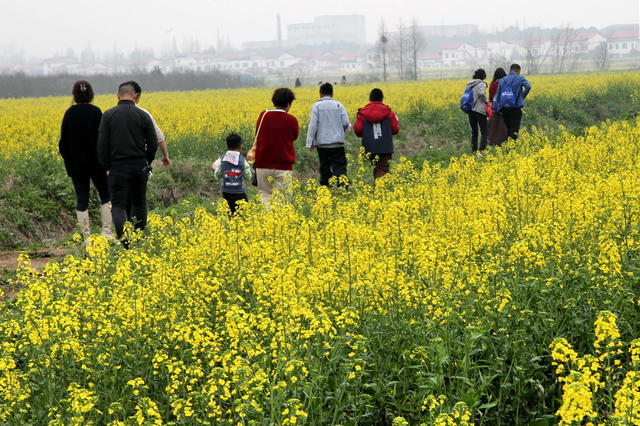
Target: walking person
column 376, row 124
column 497, row 127
column 127, row 145
column 78, row 148
column 273, row 152
column 162, row 143
column 233, row 169
column 478, row 112
column 328, row 123
column 298, row 82
column 509, row 100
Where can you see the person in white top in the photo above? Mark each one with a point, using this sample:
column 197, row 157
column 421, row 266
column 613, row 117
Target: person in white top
column 162, row 144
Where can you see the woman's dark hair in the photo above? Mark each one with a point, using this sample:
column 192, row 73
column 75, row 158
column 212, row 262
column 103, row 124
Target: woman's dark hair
column 234, row 141
column 282, row 97
column 498, row 74
column 479, row 74
column 376, row 95
column 82, row 92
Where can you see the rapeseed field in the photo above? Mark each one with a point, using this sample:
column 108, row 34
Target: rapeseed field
column 502, row 290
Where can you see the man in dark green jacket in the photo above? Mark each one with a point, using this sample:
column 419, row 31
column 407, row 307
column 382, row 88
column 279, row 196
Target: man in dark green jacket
column 127, row 144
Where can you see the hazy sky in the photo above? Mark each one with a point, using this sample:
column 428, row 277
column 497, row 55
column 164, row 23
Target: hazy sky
column 45, row 27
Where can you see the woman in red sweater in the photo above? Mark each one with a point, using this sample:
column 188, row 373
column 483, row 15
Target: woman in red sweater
column 276, row 130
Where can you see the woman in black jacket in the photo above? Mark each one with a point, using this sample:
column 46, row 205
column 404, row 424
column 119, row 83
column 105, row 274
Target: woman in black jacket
column 78, row 147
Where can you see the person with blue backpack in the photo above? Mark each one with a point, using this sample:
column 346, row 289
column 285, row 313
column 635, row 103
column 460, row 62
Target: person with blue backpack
column 233, row 169
column 474, row 103
column 509, row 100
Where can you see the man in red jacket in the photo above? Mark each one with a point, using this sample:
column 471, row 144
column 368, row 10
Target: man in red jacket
column 276, row 130
column 376, row 124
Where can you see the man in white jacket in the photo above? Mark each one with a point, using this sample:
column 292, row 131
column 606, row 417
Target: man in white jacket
column 327, row 126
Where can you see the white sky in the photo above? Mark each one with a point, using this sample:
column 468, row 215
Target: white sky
column 45, row 27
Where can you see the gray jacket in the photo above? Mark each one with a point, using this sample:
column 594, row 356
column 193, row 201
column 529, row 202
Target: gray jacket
column 328, row 122
column 479, row 95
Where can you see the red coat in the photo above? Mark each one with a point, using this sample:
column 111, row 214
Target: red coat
column 493, row 88
column 275, row 149
column 375, row 112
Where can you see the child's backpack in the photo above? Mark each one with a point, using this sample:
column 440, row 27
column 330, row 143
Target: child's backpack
column 466, row 101
column 232, row 177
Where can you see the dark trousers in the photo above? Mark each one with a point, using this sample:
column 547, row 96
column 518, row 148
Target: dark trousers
column 232, row 199
column 512, row 119
column 381, row 164
column 81, row 184
column 333, row 162
column 478, row 120
column 129, row 186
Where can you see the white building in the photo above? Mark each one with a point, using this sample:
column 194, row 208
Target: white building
column 495, row 51
column 622, row 43
column 429, row 61
column 586, row 42
column 328, row 29
column 458, row 54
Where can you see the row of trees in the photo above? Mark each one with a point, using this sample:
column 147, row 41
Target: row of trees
column 562, row 52
column 400, row 49
column 21, row 85
column 556, row 50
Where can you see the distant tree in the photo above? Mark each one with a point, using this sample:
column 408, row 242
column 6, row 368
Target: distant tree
column 601, row 56
column 400, row 49
column 562, row 48
column 156, row 72
column 534, row 52
column 417, row 43
column 382, row 47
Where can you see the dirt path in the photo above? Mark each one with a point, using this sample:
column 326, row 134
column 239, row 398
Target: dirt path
column 39, row 258
column 9, row 262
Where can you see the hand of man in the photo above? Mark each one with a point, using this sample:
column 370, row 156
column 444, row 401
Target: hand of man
column 311, row 148
column 108, row 172
column 165, row 161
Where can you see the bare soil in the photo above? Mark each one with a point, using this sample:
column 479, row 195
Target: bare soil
column 9, row 288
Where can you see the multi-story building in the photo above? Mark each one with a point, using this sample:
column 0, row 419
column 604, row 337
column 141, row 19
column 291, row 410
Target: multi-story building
column 328, row 29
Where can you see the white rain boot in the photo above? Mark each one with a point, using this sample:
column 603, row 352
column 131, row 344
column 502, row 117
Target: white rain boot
column 83, row 222
column 107, row 221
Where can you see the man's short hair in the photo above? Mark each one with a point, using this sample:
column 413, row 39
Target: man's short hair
column 136, row 86
column 283, row 97
column 234, row 141
column 326, row 89
column 126, row 89
column 514, row 68
column 376, row 95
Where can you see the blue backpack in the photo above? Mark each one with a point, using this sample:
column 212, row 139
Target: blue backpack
column 507, row 95
column 466, row 101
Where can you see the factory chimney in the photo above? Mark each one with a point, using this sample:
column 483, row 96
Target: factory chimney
column 279, row 31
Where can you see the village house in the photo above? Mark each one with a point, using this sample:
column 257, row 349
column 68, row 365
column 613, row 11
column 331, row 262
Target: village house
column 622, row 43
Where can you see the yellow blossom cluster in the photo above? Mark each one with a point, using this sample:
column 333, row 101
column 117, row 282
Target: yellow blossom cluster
column 290, row 315
column 189, row 119
column 588, row 381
